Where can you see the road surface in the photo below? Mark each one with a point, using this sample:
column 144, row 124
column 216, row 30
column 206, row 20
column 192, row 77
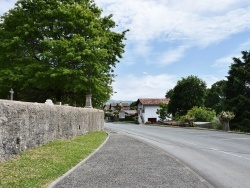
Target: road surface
column 221, row 158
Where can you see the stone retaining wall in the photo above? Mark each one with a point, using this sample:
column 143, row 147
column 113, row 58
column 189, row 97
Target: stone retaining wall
column 26, row 125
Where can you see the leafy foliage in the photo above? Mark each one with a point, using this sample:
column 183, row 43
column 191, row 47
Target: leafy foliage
column 216, row 124
column 188, row 92
column 215, row 97
column 232, row 95
column 189, row 119
column 237, row 92
column 226, row 116
column 201, row 114
column 169, row 93
column 58, row 49
column 133, row 106
column 135, row 119
column 163, row 111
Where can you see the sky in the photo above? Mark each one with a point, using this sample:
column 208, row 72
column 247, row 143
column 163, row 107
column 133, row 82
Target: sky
column 172, row 39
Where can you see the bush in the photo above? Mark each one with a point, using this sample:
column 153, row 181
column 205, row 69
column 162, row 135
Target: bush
column 177, row 118
column 135, row 119
column 189, row 119
column 226, row 116
column 201, row 114
column 243, row 126
column 216, row 124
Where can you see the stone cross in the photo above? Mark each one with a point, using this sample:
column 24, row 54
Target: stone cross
column 11, row 94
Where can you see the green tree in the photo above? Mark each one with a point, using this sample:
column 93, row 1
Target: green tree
column 58, row 49
column 237, row 92
column 188, row 92
column 163, row 111
column 169, row 93
column 133, row 106
column 215, row 96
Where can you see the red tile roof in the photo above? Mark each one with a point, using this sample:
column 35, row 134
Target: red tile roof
column 153, row 101
column 123, row 104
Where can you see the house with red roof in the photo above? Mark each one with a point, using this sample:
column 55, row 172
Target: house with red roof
column 147, row 108
column 115, row 106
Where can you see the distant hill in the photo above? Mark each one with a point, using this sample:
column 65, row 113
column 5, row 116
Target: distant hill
column 118, row 101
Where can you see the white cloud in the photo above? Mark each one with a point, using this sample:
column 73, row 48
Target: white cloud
column 208, row 6
column 172, row 55
column 224, row 62
column 244, row 46
column 132, row 87
column 197, row 22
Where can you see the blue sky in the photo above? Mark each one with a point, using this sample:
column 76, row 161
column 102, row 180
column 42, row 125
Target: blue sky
column 171, row 39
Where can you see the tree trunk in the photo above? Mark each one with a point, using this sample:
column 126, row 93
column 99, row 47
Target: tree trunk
column 226, row 126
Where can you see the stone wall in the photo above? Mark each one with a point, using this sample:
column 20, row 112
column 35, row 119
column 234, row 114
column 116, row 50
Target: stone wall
column 26, row 125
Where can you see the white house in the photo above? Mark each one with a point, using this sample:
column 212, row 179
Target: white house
column 147, row 109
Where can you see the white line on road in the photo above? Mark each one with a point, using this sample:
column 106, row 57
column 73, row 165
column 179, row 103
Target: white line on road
column 236, row 139
column 230, row 154
column 191, row 143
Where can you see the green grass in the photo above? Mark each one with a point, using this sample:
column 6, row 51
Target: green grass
column 40, row 166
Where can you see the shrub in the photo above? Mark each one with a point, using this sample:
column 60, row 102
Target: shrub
column 177, row 118
column 189, row 119
column 244, row 125
column 216, row 124
column 135, row 119
column 226, row 116
column 201, row 114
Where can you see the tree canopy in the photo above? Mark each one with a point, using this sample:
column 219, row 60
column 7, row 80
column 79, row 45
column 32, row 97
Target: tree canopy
column 188, row 92
column 58, row 49
column 133, row 106
column 237, row 91
column 215, row 96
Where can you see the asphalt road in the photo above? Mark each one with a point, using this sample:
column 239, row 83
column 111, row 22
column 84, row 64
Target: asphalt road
column 221, row 158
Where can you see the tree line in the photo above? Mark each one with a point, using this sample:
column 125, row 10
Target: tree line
column 231, row 94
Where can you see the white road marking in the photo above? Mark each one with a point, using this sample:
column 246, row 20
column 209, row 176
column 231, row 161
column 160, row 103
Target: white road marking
column 236, row 139
column 191, row 143
column 230, row 154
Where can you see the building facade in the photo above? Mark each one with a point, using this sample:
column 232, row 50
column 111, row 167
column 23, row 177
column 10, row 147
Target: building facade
column 147, row 108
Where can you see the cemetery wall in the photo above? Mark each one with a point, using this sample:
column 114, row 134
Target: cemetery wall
column 26, row 125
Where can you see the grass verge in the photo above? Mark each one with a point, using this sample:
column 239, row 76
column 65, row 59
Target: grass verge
column 40, row 166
